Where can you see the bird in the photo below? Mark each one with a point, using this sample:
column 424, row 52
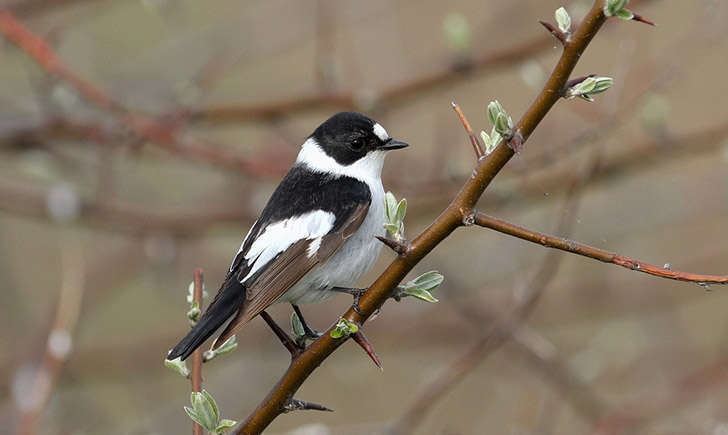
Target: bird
column 315, row 236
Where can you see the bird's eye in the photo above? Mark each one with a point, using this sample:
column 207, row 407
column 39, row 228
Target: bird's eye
column 357, row 144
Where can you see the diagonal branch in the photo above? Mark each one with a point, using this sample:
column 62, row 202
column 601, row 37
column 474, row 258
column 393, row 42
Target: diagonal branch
column 449, row 220
column 573, row 247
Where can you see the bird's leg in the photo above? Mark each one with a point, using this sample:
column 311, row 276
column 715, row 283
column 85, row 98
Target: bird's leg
column 309, row 333
column 355, row 292
column 285, row 339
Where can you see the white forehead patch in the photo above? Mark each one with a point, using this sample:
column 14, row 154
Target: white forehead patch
column 380, row 132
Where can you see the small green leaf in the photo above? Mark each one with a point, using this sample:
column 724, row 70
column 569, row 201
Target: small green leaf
column 421, row 286
column 344, row 328
column 624, row 14
column 204, row 410
column 177, row 366
column 390, row 206
column 213, row 406
column 614, row 6
column 494, row 108
column 227, row 347
column 297, row 326
column 563, row 19
column 422, row 295
column 401, row 210
column 225, row 424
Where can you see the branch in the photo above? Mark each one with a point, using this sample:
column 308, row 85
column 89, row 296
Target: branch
column 196, row 372
column 450, row 219
column 595, row 253
column 164, row 134
column 60, row 337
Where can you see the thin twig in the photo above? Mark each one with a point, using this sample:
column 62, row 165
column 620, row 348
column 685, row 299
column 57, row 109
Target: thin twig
column 558, row 34
column 477, row 147
column 285, row 339
column 573, row 247
column 60, row 337
column 196, row 372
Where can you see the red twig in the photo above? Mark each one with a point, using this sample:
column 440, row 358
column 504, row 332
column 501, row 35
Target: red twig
column 477, row 147
column 573, row 247
column 558, row 34
column 196, row 372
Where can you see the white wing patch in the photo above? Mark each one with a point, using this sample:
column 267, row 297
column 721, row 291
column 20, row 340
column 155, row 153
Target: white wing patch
column 281, row 235
column 380, row 132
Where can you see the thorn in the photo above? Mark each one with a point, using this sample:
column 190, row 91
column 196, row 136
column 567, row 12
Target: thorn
column 285, row 339
column 558, row 34
column 642, row 19
column 364, row 343
column 399, row 248
column 301, row 405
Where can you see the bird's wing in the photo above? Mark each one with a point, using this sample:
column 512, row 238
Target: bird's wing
column 283, row 253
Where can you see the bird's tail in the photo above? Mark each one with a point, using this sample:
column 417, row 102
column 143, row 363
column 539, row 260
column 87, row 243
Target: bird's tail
column 229, row 299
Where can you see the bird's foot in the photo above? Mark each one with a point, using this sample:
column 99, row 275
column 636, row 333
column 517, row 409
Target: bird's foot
column 355, row 292
column 308, row 333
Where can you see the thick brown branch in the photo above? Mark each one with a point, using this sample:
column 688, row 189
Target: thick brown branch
column 450, row 219
column 573, row 247
column 196, row 372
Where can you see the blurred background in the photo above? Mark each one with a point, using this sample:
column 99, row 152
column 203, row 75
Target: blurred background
column 144, row 139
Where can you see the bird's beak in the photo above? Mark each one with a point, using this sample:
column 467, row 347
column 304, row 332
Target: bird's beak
column 392, row 144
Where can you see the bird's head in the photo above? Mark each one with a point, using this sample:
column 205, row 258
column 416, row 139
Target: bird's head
column 348, row 143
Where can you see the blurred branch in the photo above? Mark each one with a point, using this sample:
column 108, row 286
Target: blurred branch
column 505, row 327
column 60, row 337
column 594, row 253
column 634, row 415
column 196, row 372
column 458, row 213
column 119, row 216
column 164, row 134
column 385, row 98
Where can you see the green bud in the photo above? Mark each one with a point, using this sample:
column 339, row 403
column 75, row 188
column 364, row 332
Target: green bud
column 613, row 6
column 494, row 108
column 225, row 424
column 563, row 20
column 491, row 141
column 344, row 328
column 394, row 213
column 588, row 87
column 227, row 347
column 297, row 326
column 204, row 411
column 178, row 366
column 624, row 14
column 194, row 313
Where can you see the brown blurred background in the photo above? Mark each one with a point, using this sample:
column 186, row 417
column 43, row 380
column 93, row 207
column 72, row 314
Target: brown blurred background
column 112, row 218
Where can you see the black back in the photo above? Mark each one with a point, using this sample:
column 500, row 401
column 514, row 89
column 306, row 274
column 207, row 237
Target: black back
column 301, row 191
column 347, row 137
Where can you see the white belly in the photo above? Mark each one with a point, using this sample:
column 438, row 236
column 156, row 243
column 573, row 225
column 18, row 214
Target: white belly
column 352, row 260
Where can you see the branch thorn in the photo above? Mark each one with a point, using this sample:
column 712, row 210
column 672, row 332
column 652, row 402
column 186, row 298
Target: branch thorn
column 479, row 152
column 364, row 343
column 398, row 247
column 558, row 34
column 642, row 19
column 301, row 405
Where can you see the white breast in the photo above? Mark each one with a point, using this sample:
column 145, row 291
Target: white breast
column 352, row 260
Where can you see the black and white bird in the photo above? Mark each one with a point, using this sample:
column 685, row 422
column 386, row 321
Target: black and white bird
column 317, row 232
